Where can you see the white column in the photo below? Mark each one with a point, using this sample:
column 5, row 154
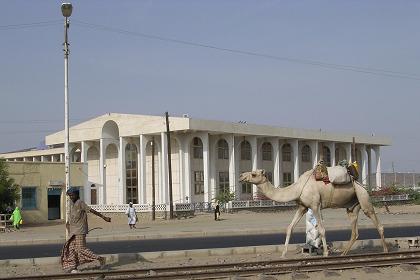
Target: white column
column 122, row 190
column 187, row 169
column 276, row 150
column 232, row 164
column 295, row 146
column 142, row 192
column 212, row 156
column 364, row 167
column 254, row 160
column 83, row 151
column 378, row 166
column 206, row 166
column 61, row 158
column 164, row 168
column 332, row 151
column 314, row 152
column 348, row 152
column 83, row 158
column 181, row 169
column 102, row 171
column 369, row 158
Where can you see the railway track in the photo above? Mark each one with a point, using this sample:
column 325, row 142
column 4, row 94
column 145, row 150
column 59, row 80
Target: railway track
column 275, row 267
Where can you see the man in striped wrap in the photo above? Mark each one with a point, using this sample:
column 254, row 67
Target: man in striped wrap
column 75, row 252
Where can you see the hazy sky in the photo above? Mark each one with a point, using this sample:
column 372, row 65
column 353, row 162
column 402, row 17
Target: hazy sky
column 304, row 64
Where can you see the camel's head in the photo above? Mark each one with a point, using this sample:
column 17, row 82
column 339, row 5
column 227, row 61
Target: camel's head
column 254, row 177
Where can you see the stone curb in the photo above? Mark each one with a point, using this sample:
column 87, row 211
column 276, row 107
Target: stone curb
column 123, row 258
column 179, row 235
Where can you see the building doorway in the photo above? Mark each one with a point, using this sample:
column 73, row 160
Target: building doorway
column 54, row 203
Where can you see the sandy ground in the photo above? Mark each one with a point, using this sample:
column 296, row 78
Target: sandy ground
column 406, row 272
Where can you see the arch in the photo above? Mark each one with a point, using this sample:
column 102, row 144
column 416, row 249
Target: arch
column 197, row 148
column 196, row 171
column 286, row 152
column 267, row 151
column 92, row 157
column 340, row 154
column 75, row 155
column 131, row 174
column 245, row 150
column 111, row 171
column 306, row 154
column 326, row 155
column 110, row 130
column 222, row 149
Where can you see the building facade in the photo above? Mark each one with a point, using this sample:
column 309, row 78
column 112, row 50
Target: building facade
column 41, row 184
column 206, row 156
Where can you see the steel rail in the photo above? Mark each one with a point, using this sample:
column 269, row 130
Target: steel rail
column 248, row 268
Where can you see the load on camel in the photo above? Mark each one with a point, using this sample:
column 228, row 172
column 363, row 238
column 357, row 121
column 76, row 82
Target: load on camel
column 307, row 192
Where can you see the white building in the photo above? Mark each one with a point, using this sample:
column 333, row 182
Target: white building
column 206, row 156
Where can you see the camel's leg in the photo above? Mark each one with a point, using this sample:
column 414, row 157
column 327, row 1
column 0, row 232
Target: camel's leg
column 321, row 229
column 298, row 215
column 367, row 207
column 379, row 227
column 353, row 215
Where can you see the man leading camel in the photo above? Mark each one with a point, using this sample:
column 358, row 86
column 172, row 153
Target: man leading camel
column 74, row 252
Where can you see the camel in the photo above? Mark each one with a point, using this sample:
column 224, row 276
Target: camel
column 309, row 193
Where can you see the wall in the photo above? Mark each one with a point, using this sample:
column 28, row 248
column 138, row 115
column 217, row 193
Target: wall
column 41, row 175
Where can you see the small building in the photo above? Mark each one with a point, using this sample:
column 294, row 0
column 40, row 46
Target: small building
column 206, row 157
column 42, row 186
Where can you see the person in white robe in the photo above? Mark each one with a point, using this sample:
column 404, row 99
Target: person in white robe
column 312, row 234
column 132, row 216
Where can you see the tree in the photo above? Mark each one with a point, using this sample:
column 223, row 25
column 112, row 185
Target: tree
column 9, row 192
column 224, row 196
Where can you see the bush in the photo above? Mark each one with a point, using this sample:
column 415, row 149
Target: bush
column 9, row 192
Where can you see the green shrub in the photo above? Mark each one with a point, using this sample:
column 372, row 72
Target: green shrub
column 9, row 192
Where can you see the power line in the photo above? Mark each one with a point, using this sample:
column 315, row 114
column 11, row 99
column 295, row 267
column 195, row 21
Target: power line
column 343, row 67
column 30, row 25
column 36, row 121
column 335, row 66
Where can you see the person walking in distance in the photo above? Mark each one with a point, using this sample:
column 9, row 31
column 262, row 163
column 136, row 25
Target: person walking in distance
column 132, row 215
column 16, row 218
column 217, row 211
column 75, row 252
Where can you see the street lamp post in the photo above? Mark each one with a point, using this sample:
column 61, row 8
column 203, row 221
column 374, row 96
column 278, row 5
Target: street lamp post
column 66, row 10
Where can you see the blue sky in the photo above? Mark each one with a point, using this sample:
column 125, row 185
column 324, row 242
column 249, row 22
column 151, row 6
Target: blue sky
column 118, row 69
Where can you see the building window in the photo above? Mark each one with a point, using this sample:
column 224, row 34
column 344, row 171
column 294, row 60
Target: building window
column 198, row 182
column 269, row 176
column 267, row 153
column 327, row 156
column 246, row 188
column 306, row 154
column 222, row 149
column 287, row 179
column 28, row 198
column 245, row 150
column 223, row 182
column 197, row 148
column 286, row 151
column 131, row 173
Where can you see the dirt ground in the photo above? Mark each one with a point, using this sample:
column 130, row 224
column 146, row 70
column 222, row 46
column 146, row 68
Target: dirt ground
column 406, row 272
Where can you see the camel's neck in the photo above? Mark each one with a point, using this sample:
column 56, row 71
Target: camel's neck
column 286, row 194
